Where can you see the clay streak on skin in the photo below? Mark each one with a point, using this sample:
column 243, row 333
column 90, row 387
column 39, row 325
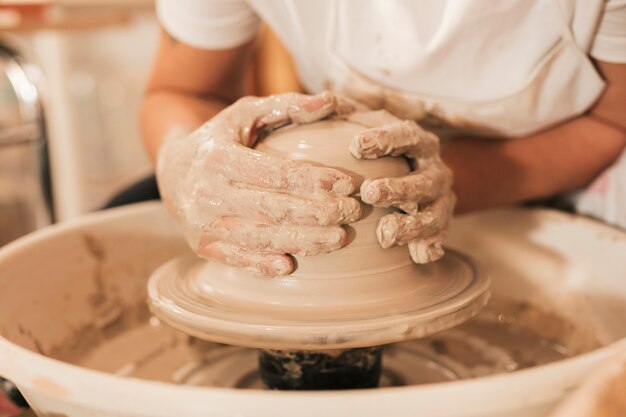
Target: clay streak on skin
column 50, row 388
column 213, row 174
column 213, row 182
column 424, row 195
column 96, row 250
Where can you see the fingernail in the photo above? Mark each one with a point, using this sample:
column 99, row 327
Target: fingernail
column 418, row 252
column 352, row 211
column 335, row 240
column 343, row 186
column 387, row 231
column 424, row 252
column 360, row 145
column 370, row 193
column 355, row 149
column 280, row 266
column 367, row 146
column 343, row 238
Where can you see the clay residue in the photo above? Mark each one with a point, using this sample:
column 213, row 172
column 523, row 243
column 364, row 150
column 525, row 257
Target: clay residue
column 547, row 325
column 505, row 337
column 149, row 351
column 94, row 247
column 96, row 333
column 50, row 388
column 109, row 315
column 96, row 250
column 35, row 341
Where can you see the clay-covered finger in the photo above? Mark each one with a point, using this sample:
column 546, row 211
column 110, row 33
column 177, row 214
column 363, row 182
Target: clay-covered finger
column 269, row 238
column 249, row 115
column 400, row 229
column 400, row 138
column 418, row 188
column 269, row 264
column 279, row 208
column 238, row 164
column 424, row 251
column 276, row 208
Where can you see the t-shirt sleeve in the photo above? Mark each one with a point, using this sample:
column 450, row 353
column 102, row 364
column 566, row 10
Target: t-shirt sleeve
column 208, row 24
column 610, row 41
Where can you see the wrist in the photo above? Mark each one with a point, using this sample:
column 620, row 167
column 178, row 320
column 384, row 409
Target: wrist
column 174, row 159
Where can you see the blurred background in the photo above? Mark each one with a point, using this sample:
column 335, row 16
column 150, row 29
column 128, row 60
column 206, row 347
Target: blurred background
column 72, row 76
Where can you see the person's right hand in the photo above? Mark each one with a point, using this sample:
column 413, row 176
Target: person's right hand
column 249, row 209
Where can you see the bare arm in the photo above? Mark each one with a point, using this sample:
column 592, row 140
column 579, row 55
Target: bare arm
column 188, row 86
column 220, row 190
column 489, row 173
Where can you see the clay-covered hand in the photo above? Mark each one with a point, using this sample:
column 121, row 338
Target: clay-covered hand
column 249, row 209
column 424, row 196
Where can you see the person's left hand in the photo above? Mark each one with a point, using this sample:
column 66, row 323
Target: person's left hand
column 424, row 197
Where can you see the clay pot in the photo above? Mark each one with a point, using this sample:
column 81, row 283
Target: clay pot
column 358, row 296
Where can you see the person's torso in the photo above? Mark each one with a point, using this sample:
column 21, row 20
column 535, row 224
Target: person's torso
column 503, row 68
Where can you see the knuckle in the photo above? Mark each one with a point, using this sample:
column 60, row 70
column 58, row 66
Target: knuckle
column 329, row 211
column 277, row 265
column 352, row 210
column 340, row 237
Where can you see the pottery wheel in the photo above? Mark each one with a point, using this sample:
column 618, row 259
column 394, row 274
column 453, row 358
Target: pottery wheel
column 359, row 296
column 197, row 297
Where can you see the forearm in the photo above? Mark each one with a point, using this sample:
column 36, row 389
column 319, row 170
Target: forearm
column 164, row 112
column 489, row 172
column 189, row 86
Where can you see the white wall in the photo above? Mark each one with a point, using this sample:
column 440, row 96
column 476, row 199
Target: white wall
column 94, row 80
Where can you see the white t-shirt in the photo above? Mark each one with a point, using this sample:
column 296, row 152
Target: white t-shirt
column 504, row 68
column 507, row 67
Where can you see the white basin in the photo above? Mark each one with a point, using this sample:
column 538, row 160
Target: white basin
column 77, row 279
